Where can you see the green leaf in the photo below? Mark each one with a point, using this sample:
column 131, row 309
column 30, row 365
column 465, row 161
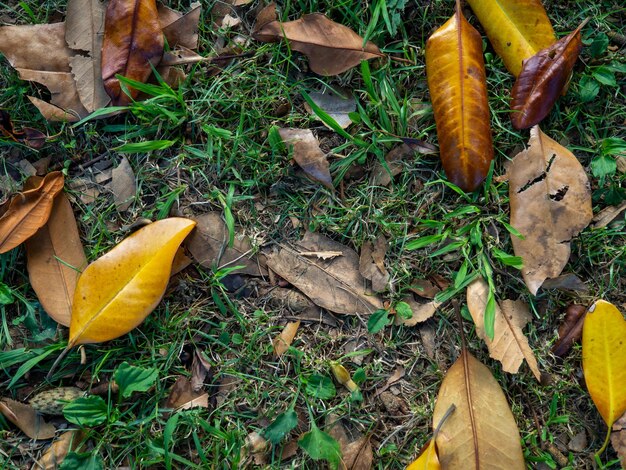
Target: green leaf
column 605, row 76
column 134, row 379
column 86, row 411
column 618, row 67
column 507, row 259
column 377, row 321
column 603, row 166
column 423, row 241
column 359, row 376
column 321, row 446
column 6, row 296
column 490, row 315
column 613, row 146
column 404, row 310
column 588, row 89
column 461, row 275
column 281, row 426
column 147, row 146
column 320, row 386
column 82, row 461
column 599, row 45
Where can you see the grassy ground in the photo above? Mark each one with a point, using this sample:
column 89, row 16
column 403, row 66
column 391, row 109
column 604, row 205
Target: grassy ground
column 262, row 89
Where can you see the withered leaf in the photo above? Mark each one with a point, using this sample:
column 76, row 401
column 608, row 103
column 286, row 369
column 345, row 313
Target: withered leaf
column 308, row 155
column 180, row 30
column 383, row 174
column 542, row 80
column 571, row 330
column 567, row 281
column 200, row 370
column 182, row 396
column 335, row 105
column 331, row 48
column 421, row 311
column 60, row 447
column 27, row 135
column 284, row 339
column 550, row 199
column 608, row 214
column 123, row 185
column 372, row 263
column 27, row 419
column 358, row 455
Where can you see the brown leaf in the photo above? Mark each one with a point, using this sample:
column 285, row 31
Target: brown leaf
column 509, row 345
column 458, row 87
column 308, row 155
column 335, row 285
column 608, row 214
column 393, row 378
column 571, row 330
column 421, row 311
column 55, row 257
column 567, row 281
column 69, row 441
column 200, row 370
column 331, row 48
column 481, row 432
column 208, row 244
column 27, row 136
column 182, row 396
column 28, row 211
column 542, row 80
column 284, row 339
column 181, row 261
column 372, row 263
column 123, row 185
column 180, row 30
column 336, row 105
column 618, row 439
column 424, row 288
column 358, row 455
column 550, row 202
column 132, row 42
column 382, row 175
column 27, row 419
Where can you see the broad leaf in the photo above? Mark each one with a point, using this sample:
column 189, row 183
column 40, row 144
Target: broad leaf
column 320, row 386
column 321, row 446
column 86, row 411
column 281, row 426
column 550, row 204
column 27, row 419
column 134, row 379
column 457, row 83
column 82, row 461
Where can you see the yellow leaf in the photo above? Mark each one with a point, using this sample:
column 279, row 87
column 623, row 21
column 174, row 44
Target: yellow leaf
column 117, row 291
column 604, row 361
column 285, row 338
column 517, row 29
column 428, row 459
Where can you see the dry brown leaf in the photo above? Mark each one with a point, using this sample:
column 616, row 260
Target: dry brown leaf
column 208, row 245
column 421, row 312
column 27, row 419
column 372, row 263
column 200, row 370
column 55, row 258
column 550, row 201
column 608, row 215
column 69, row 441
column 182, row 396
column 567, row 281
column 27, row 135
column 571, row 330
column 481, row 433
column 618, row 439
column 308, row 155
column 393, row 378
column 335, row 285
column 358, row 455
column 284, row 339
column 424, row 288
column 180, row 30
column 382, row 175
column 123, row 185
column 336, row 105
column 509, row 345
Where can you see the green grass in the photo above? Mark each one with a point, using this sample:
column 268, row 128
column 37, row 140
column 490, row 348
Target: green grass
column 209, row 146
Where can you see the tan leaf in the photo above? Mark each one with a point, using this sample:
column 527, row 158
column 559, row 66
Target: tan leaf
column 382, row 175
column 550, row 202
column 421, row 311
column 27, row 419
column 180, row 30
column 509, row 345
column 372, row 263
column 200, row 370
column 358, row 455
column 308, row 155
column 54, row 455
column 321, row 254
column 123, row 185
column 284, row 339
column 335, row 284
column 182, row 396
column 481, row 433
column 608, row 214
column 397, row 375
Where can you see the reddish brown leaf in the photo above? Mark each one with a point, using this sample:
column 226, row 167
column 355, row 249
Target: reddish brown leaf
column 27, row 136
column 542, row 80
column 570, row 330
column 132, row 41
column 182, row 396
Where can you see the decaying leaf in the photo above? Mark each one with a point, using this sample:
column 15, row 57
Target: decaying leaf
column 458, row 88
column 69, row 441
column 420, row 311
column 481, row 432
column 55, row 258
column 28, row 211
column 567, row 281
column 357, row 455
column 517, row 29
column 123, row 185
column 200, row 370
column 27, row 135
column 208, row 244
column 570, row 330
column 335, row 105
column 182, row 396
column 608, row 215
column 372, row 263
column 331, row 48
column 398, row 373
column 604, row 361
column 308, row 155
column 618, row 439
column 509, row 345
column 283, row 340
column 382, row 175
column 335, row 284
column 542, row 80
column 180, row 30
column 27, row 419
column 550, row 201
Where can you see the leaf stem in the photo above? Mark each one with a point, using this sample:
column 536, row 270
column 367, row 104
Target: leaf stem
column 58, row 360
column 606, row 442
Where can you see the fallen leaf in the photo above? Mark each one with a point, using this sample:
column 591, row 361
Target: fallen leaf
column 618, row 439
column 424, row 288
column 321, row 254
column 578, row 443
column 123, row 185
column 604, row 361
column 550, row 202
column 542, row 80
column 428, row 459
column 27, row 135
column 358, row 455
column 283, row 340
column 567, row 281
column 200, row 370
column 398, row 373
column 208, row 245
column 181, row 261
column 182, row 396
column 421, row 311
column 28, row 211
column 69, row 441
column 372, row 263
column 55, row 257
column 517, row 29
column 180, row 30
column 255, row 446
column 608, row 215
column 27, row 419
column 570, row 330
column 509, row 345
column 335, row 285
column 458, row 88
column 335, row 105
column 308, row 155
column 481, row 432
column 382, row 175
column 52, row 401
column 331, row 48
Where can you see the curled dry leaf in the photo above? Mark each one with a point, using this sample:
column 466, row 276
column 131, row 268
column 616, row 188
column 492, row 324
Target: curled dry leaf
column 550, row 204
column 27, row 419
column 372, row 263
column 27, row 135
column 570, row 330
column 133, row 41
column 183, row 397
column 308, row 155
column 331, row 48
column 509, row 345
column 542, row 80
column 200, row 370
column 69, row 441
column 608, row 214
column 28, row 211
column 123, row 185
column 458, row 88
column 283, row 340
column 517, row 29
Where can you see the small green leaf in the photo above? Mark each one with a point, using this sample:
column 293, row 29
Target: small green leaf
column 490, row 315
column 281, row 426
column 507, row 259
column 461, row 275
column 404, row 310
column 377, row 321
column 599, row 45
column 605, row 76
column 603, row 166
column 359, row 376
column 320, row 386
column 6, row 297
column 134, row 379
column 321, row 446
column 86, row 411
column 613, row 146
column 588, row 89
column 423, row 241
column 82, row 461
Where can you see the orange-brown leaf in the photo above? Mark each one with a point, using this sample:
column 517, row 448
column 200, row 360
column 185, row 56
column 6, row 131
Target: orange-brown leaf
column 132, row 41
column 456, row 79
column 27, row 419
column 282, row 342
column 570, row 330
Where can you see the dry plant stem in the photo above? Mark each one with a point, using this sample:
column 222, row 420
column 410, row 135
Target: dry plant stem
column 56, row 363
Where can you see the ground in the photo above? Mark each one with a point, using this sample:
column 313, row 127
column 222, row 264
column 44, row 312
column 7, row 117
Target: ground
column 223, row 158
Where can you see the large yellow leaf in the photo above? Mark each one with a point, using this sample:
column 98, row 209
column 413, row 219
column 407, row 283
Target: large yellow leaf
column 604, row 360
column 428, row 459
column 517, row 29
column 117, row 291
